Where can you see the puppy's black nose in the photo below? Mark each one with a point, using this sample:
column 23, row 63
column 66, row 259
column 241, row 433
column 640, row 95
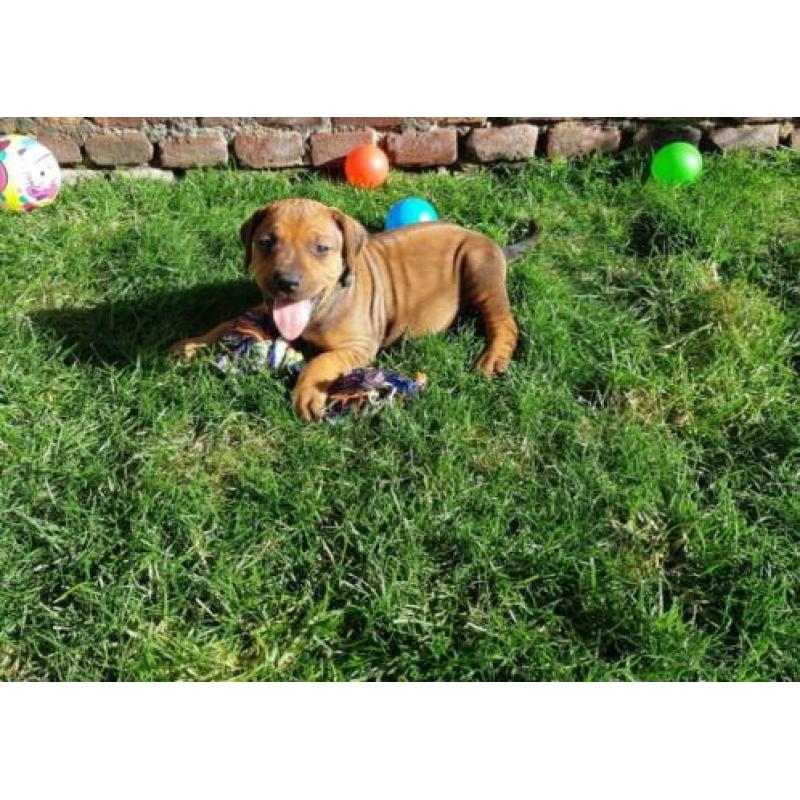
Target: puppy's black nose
column 286, row 282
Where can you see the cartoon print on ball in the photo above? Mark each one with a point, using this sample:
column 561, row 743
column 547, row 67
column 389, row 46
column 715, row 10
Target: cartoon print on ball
column 40, row 170
column 29, row 174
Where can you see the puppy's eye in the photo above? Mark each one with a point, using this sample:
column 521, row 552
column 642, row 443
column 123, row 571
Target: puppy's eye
column 267, row 243
column 321, row 249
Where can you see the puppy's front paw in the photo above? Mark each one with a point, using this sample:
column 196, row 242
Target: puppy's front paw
column 492, row 363
column 309, row 402
column 186, row 348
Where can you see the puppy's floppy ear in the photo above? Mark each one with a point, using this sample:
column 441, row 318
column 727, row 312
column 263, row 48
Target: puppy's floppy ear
column 246, row 233
column 355, row 236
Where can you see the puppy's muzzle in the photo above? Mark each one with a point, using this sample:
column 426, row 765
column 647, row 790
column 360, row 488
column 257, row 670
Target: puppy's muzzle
column 286, row 283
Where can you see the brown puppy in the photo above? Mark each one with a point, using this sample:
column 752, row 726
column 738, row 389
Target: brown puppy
column 348, row 294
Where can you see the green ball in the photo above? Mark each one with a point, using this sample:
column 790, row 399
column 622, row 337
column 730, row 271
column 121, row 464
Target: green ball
column 679, row 162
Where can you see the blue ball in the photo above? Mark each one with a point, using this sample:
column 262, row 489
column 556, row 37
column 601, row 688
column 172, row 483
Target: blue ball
column 410, row 211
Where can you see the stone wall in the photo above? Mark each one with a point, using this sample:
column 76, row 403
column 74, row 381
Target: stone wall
column 165, row 144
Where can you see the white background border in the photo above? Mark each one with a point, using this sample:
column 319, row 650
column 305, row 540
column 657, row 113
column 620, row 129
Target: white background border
column 462, row 741
column 400, row 59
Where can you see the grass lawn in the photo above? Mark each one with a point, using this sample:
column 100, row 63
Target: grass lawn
column 624, row 504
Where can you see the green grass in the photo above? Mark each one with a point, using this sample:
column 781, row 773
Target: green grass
column 625, row 504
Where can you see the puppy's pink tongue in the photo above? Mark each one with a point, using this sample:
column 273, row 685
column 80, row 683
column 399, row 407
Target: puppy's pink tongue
column 291, row 317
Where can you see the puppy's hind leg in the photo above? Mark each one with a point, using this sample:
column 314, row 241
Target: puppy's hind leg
column 484, row 288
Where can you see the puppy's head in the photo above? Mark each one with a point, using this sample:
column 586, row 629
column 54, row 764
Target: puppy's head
column 300, row 252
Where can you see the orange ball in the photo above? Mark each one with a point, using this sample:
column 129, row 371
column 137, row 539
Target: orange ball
column 366, row 166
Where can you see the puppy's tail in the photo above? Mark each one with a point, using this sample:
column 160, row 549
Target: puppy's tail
column 518, row 249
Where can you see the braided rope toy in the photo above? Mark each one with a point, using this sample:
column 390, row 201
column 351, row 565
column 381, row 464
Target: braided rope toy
column 254, row 344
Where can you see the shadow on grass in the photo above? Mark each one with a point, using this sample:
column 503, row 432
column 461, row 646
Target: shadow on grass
column 652, row 234
column 142, row 328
